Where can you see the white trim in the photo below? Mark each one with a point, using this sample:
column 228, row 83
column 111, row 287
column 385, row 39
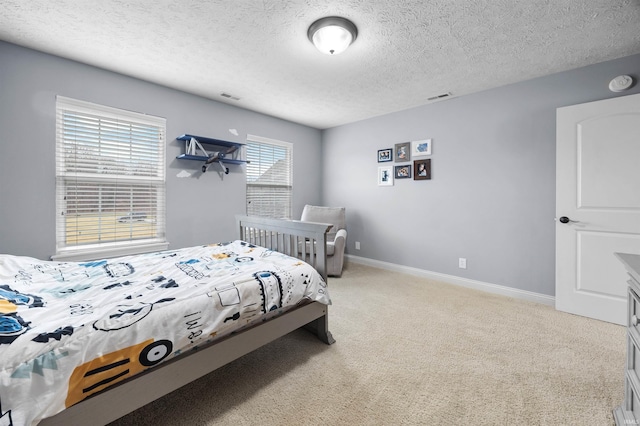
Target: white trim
column 253, row 140
column 262, row 139
column 105, row 253
column 452, row 279
column 276, row 142
column 153, row 160
column 107, row 111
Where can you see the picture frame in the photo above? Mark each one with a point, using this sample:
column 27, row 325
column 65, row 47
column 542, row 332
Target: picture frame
column 422, row 169
column 385, row 155
column 385, row 176
column 421, row 148
column 403, row 171
column 403, row 152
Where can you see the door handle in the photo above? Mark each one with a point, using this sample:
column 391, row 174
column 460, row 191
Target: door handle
column 565, row 219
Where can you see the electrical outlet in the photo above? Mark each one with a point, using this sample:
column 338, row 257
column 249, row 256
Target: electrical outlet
column 462, row 263
column 357, row 245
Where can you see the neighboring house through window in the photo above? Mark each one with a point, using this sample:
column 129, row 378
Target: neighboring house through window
column 269, row 177
column 110, row 181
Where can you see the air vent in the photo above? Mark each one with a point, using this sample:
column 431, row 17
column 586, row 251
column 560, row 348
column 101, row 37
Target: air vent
column 228, row 96
column 443, row 96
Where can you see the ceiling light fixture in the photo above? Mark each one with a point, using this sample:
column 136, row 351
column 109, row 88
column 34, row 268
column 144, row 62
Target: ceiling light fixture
column 332, row 35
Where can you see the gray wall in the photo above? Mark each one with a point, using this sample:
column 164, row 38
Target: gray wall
column 491, row 199
column 200, row 209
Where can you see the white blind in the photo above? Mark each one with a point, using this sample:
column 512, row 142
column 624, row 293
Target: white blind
column 269, row 177
column 110, row 176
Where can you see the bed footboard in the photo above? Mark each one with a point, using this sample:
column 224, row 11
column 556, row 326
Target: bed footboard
column 304, row 240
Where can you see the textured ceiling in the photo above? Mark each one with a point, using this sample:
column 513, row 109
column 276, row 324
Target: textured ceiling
column 406, row 51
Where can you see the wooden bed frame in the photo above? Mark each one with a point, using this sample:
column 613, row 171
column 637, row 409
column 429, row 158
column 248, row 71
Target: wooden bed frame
column 285, row 236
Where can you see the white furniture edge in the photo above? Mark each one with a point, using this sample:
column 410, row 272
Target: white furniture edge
column 452, row 279
column 113, row 250
column 625, row 413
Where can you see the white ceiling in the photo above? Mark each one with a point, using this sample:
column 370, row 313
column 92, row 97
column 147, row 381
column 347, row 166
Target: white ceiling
column 406, row 51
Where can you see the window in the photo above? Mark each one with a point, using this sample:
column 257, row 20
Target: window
column 110, row 181
column 269, row 177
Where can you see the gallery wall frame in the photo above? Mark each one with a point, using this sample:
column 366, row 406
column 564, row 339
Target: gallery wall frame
column 403, row 171
column 403, row 152
column 385, row 155
column 421, row 148
column 422, row 169
column 385, row 176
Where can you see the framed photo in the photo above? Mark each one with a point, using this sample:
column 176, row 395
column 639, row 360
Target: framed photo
column 422, row 169
column 385, row 176
column 385, row 155
column 421, row 148
column 403, row 152
column 403, row 172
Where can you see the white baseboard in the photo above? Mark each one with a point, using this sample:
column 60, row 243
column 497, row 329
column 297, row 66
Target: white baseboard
column 452, row 279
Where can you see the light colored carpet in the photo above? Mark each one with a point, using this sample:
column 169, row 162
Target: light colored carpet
column 415, row 352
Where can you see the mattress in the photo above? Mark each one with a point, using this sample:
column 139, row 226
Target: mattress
column 69, row 330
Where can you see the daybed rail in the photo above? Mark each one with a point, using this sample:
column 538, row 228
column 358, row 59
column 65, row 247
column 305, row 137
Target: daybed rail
column 294, row 238
column 144, row 388
column 304, row 240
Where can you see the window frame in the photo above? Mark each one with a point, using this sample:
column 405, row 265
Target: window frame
column 288, row 146
column 156, row 179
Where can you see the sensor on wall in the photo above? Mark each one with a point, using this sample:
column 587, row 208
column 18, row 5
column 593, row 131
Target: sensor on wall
column 620, row 83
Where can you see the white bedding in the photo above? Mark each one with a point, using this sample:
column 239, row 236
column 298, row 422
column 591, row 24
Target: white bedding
column 68, row 330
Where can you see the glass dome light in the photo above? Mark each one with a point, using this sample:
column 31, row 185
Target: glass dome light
column 332, row 35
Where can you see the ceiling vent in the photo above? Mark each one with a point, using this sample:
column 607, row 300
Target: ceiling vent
column 438, row 97
column 228, row 96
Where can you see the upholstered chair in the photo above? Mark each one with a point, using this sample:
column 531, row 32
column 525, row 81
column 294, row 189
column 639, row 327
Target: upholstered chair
column 336, row 237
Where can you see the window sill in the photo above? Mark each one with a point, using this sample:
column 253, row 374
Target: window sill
column 79, row 255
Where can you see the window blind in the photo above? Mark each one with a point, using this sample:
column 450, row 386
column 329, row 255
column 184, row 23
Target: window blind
column 269, row 177
column 110, row 176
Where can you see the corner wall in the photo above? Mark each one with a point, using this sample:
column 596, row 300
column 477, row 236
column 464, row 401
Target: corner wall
column 200, row 209
column 491, row 198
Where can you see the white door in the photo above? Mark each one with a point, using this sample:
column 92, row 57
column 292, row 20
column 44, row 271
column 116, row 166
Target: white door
column 597, row 205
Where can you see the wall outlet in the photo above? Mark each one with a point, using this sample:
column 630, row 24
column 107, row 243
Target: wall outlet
column 462, row 263
column 357, row 245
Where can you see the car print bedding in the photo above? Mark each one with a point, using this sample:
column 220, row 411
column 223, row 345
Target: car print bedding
column 69, row 330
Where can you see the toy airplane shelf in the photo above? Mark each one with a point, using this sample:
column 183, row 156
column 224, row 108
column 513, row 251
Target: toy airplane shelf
column 194, row 150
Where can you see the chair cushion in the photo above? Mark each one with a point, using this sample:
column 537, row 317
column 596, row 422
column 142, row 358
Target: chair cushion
column 331, row 248
column 332, row 215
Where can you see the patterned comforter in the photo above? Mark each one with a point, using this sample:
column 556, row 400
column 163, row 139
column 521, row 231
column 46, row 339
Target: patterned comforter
column 68, row 330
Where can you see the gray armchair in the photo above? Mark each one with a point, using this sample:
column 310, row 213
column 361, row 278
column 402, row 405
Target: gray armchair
column 336, row 237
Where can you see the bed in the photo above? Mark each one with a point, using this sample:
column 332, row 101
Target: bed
column 88, row 342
